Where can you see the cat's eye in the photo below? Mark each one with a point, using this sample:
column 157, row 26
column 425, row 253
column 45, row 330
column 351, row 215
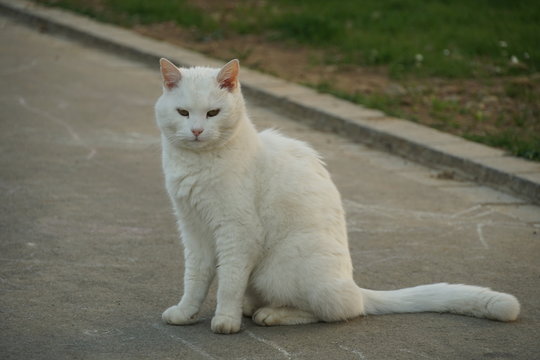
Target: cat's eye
column 212, row 113
column 183, row 112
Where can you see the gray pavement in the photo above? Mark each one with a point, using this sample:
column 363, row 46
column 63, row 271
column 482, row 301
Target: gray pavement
column 89, row 256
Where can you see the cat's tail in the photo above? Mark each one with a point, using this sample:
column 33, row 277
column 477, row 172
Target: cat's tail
column 458, row 299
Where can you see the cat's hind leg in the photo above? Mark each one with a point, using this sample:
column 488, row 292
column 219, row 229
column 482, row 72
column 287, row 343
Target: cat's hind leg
column 336, row 299
column 327, row 300
column 271, row 316
column 251, row 303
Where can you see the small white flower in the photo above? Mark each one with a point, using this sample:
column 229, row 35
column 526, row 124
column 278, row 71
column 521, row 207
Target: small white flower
column 446, row 52
column 514, row 59
column 503, row 44
column 375, row 15
column 419, row 58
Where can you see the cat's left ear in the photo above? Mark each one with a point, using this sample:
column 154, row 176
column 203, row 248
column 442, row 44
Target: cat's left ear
column 228, row 75
column 170, row 73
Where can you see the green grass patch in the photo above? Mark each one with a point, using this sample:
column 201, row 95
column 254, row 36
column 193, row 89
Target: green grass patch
column 132, row 12
column 513, row 142
column 459, row 38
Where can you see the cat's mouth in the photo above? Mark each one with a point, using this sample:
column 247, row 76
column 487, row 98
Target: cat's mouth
column 198, row 141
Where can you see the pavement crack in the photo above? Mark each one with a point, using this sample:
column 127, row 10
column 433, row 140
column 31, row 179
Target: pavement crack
column 272, row 344
column 74, row 135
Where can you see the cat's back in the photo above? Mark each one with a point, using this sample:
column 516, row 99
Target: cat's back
column 278, row 148
column 291, row 165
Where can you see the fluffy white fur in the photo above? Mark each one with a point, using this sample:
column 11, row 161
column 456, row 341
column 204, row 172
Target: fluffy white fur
column 260, row 210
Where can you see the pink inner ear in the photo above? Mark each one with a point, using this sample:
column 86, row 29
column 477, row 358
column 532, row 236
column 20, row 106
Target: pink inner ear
column 170, row 73
column 171, row 78
column 228, row 84
column 228, row 76
column 169, row 84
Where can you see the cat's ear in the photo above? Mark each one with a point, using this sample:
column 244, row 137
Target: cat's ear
column 170, row 74
column 228, row 75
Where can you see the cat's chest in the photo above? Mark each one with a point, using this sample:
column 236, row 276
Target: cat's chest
column 213, row 187
column 185, row 185
column 198, row 187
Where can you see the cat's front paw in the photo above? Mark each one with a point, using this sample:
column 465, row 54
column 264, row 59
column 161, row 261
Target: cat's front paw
column 176, row 315
column 223, row 324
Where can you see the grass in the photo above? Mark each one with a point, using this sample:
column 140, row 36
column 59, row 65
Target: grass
column 433, row 38
column 130, row 12
column 429, row 38
column 415, row 41
column 511, row 140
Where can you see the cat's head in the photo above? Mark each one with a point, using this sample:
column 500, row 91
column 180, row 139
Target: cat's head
column 200, row 107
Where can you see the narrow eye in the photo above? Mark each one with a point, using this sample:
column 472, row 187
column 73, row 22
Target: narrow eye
column 183, row 112
column 212, row 113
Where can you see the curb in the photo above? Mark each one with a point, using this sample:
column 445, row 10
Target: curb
column 409, row 140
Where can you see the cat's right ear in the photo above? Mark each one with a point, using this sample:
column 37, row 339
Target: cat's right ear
column 170, row 74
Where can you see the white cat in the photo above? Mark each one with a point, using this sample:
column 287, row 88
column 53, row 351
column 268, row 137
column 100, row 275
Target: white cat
column 261, row 210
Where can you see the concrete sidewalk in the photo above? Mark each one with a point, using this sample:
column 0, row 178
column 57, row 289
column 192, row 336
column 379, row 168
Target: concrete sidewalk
column 89, row 256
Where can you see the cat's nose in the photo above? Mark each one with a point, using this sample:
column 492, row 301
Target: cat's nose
column 197, row 132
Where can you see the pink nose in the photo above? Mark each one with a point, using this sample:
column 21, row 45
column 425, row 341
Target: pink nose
column 197, row 132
